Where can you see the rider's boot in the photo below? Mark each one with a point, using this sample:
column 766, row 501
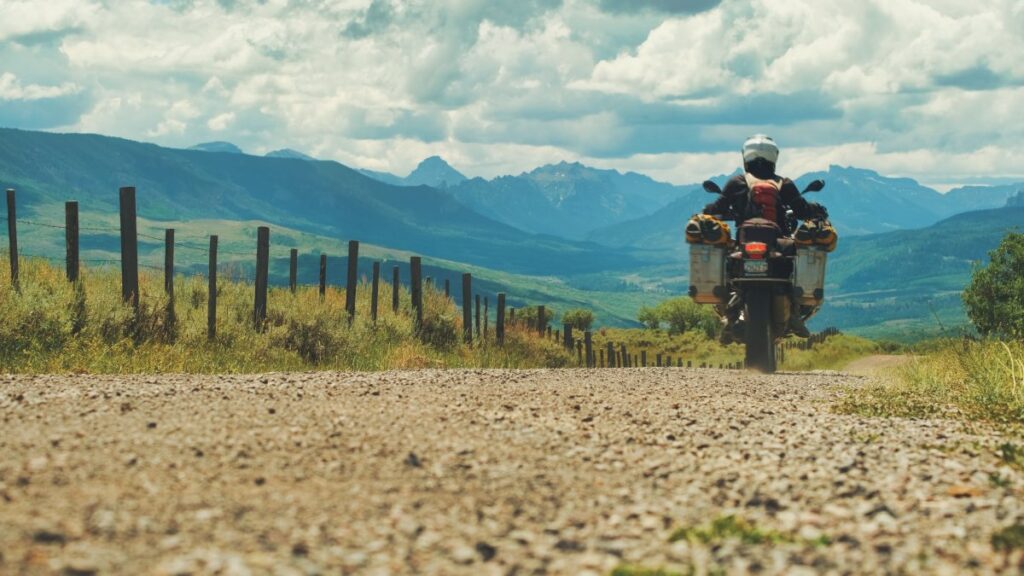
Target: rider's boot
column 796, row 321
column 731, row 326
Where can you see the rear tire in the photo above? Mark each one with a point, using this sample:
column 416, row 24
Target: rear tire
column 759, row 338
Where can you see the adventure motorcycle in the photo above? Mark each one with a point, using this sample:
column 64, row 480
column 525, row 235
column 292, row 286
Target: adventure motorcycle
column 761, row 278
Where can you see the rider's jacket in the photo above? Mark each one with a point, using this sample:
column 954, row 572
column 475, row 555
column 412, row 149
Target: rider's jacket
column 737, row 201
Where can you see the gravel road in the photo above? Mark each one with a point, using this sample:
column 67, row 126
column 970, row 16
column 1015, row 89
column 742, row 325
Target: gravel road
column 486, row 472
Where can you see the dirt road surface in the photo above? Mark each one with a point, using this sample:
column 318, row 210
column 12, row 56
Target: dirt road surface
column 487, row 472
column 877, row 365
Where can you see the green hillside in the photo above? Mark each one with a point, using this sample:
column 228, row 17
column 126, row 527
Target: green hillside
column 906, row 283
column 325, row 198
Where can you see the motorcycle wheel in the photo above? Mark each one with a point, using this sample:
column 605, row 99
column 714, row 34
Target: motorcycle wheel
column 760, row 341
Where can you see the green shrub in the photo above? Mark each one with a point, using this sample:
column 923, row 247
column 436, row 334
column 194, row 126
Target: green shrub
column 685, row 315
column 995, row 297
column 649, row 317
column 579, row 319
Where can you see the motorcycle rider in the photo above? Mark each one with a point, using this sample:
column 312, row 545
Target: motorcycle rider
column 761, row 193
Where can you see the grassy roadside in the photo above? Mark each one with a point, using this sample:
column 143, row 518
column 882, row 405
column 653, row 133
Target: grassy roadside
column 52, row 326
column 832, row 354
column 689, row 346
column 972, row 380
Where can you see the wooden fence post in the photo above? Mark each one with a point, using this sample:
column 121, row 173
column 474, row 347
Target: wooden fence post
column 416, row 287
column 12, row 237
column 262, row 268
column 323, row 276
column 486, row 317
column 542, row 320
column 478, row 316
column 71, row 239
column 353, row 278
column 169, row 273
column 658, row 364
column 643, row 358
column 447, row 288
column 129, row 248
column 293, row 269
column 558, row 335
column 600, row 353
column 169, row 263
column 375, row 287
column 567, row 336
column 467, row 308
column 512, row 316
column 579, row 353
column 588, row 343
column 396, row 283
column 611, row 355
column 211, row 299
column 625, row 356
column 499, row 325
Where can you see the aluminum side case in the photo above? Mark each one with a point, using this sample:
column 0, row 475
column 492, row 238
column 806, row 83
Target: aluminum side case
column 809, row 275
column 707, row 274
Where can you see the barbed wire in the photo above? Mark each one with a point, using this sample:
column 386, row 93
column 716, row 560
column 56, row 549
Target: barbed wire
column 177, row 243
column 84, row 260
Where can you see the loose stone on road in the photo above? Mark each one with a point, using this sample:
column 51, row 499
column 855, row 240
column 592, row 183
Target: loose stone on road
column 487, row 472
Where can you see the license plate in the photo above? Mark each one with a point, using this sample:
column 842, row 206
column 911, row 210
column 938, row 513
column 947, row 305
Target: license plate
column 755, row 267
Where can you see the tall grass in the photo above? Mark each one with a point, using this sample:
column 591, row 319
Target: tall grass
column 977, row 380
column 52, row 325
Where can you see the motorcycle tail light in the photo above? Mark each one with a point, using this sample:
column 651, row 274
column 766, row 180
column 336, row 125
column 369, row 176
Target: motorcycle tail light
column 756, row 250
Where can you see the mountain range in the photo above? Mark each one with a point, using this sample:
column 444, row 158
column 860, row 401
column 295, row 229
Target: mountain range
column 320, row 197
column 859, row 202
column 564, row 199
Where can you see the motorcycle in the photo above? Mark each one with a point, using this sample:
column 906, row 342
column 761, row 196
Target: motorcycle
column 754, row 280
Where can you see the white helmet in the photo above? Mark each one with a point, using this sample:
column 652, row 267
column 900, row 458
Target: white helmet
column 760, row 146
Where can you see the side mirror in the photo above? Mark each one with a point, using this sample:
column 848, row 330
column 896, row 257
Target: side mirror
column 815, row 186
column 711, row 187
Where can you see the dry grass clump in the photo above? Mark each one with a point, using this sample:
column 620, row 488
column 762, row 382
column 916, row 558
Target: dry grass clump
column 51, row 325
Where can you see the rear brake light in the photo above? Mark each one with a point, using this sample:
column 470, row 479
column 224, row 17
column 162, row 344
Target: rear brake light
column 756, row 248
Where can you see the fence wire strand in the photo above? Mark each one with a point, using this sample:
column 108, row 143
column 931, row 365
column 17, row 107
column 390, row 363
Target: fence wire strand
column 177, row 243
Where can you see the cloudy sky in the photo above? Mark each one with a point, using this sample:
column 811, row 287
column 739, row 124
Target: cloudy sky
column 932, row 89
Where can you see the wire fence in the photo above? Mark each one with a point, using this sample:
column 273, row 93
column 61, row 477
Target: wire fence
column 615, row 355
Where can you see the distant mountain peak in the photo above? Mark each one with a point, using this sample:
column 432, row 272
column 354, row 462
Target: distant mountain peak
column 434, row 171
column 434, row 160
column 288, row 153
column 217, row 146
column 564, row 167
